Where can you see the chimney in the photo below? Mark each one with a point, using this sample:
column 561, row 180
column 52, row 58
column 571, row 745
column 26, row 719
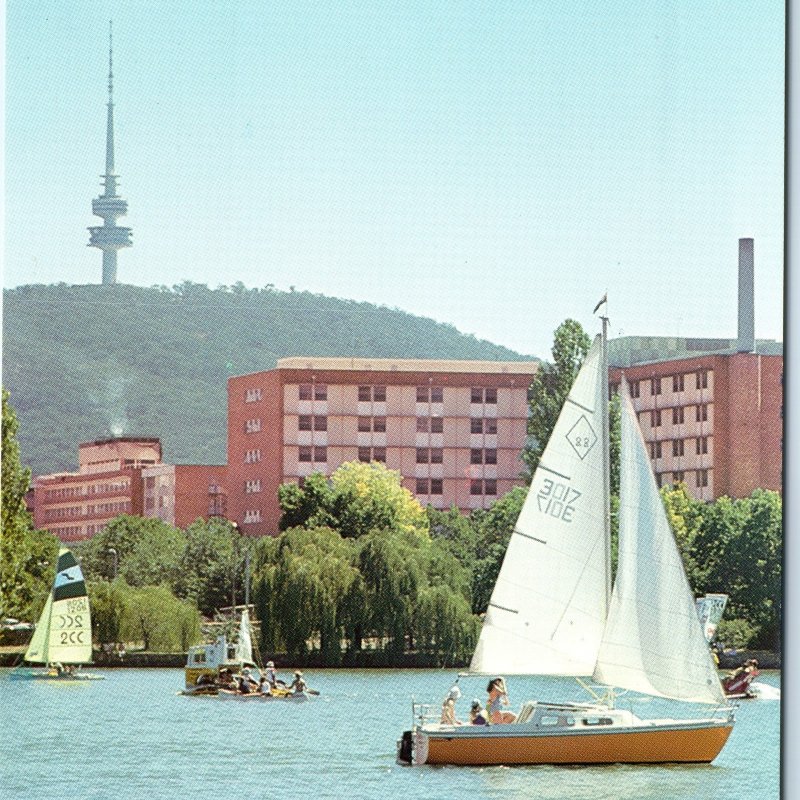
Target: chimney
column 747, row 336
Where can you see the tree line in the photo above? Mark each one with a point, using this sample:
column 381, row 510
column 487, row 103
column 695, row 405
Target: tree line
column 359, row 564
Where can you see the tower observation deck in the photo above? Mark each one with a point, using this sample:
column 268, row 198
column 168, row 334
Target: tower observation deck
column 109, row 236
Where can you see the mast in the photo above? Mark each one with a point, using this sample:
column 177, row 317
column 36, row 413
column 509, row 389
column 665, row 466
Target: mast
column 606, row 448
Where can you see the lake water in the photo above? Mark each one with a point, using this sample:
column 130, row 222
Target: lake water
column 131, row 736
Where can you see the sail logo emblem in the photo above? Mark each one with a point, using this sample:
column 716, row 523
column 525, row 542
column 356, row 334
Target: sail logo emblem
column 582, row 437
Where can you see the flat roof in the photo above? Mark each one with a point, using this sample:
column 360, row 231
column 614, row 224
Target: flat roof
column 407, row 365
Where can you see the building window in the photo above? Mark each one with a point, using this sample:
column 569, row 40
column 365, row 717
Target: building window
column 252, row 516
column 368, row 424
column 677, row 447
column 364, row 424
column 437, row 455
column 320, row 391
column 701, row 413
column 430, row 455
column 677, row 477
column 436, row 486
column 375, row 393
column 304, row 391
column 252, row 426
column 368, row 454
column 702, row 378
column 476, row 456
column 478, row 395
column 379, row 424
column 320, row 422
column 701, row 478
column 252, row 395
column 304, row 422
column 304, row 454
column 423, row 455
column 480, row 425
column 483, row 487
column 655, row 450
column 701, row 445
column 655, row 386
column 430, row 424
column 635, row 389
column 655, row 418
column 429, row 486
column 252, row 487
column 677, row 415
column 320, row 455
column 677, row 383
column 430, row 394
column 252, row 456
column 476, row 425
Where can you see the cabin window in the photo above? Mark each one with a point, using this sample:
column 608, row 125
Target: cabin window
column 548, row 721
column 598, row 721
column 200, row 658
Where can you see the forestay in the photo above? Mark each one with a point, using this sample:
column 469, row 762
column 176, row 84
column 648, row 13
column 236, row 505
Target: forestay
column 549, row 604
column 653, row 642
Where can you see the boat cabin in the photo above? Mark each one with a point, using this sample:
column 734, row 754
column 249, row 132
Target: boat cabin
column 553, row 715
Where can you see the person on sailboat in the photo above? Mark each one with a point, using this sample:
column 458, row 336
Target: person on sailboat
column 246, row 683
column 498, row 696
column 449, row 707
column 477, row 714
column 298, row 685
column 271, row 675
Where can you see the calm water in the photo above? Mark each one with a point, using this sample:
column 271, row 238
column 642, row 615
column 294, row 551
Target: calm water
column 132, row 736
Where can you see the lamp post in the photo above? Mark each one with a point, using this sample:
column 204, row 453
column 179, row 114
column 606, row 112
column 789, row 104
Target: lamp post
column 116, row 560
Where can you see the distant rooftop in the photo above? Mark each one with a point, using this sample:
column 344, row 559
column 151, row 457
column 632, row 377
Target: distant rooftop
column 407, row 365
column 629, row 350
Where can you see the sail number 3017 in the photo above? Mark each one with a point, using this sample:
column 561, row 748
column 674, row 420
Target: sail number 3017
column 557, row 500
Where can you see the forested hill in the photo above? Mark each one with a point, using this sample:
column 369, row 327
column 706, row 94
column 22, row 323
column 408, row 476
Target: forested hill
column 86, row 362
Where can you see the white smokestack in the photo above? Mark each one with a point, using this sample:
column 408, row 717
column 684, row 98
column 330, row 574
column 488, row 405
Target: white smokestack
column 747, row 335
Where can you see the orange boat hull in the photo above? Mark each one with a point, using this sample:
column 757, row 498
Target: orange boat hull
column 690, row 744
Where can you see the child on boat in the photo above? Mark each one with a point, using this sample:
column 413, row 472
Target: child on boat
column 477, row 715
column 449, row 707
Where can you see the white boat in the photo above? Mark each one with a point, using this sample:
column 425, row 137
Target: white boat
column 62, row 639
column 553, row 612
column 209, row 665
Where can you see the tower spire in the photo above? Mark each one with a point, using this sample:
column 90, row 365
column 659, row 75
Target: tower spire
column 110, row 237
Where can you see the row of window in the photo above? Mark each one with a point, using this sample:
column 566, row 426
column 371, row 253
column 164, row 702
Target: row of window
column 679, row 476
column 679, row 448
column 319, row 422
column 678, row 383
column 65, row 512
column 377, row 394
column 82, row 491
column 678, row 413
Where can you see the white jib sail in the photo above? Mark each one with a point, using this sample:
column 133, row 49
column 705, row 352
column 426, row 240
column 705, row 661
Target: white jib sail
column 37, row 651
column 653, row 642
column 244, row 645
column 548, row 607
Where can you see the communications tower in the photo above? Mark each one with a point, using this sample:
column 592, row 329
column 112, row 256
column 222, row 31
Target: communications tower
column 109, row 236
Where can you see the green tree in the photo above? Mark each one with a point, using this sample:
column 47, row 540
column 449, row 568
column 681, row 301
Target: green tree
column 494, row 527
column 108, row 604
column 685, row 516
column 212, row 567
column 550, row 387
column 446, row 626
column 357, row 499
column 158, row 620
column 27, row 556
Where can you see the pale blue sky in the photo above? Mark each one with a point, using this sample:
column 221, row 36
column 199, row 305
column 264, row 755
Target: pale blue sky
column 495, row 165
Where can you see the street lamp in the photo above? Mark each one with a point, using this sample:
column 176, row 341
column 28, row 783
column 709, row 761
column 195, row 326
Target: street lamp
column 116, row 560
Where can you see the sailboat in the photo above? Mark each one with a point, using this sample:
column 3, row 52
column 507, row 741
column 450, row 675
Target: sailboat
column 63, row 636
column 553, row 612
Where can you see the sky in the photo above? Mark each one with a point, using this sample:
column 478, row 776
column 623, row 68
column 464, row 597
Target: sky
column 495, row 165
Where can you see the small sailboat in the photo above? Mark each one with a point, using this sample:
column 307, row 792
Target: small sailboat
column 62, row 639
column 553, row 612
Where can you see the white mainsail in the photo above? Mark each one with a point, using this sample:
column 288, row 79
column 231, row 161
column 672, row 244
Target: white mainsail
column 549, row 604
column 244, row 644
column 653, row 641
column 64, row 631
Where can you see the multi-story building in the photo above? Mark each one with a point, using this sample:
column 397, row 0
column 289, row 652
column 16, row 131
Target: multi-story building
column 179, row 494
column 125, row 475
column 454, row 430
column 713, row 422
